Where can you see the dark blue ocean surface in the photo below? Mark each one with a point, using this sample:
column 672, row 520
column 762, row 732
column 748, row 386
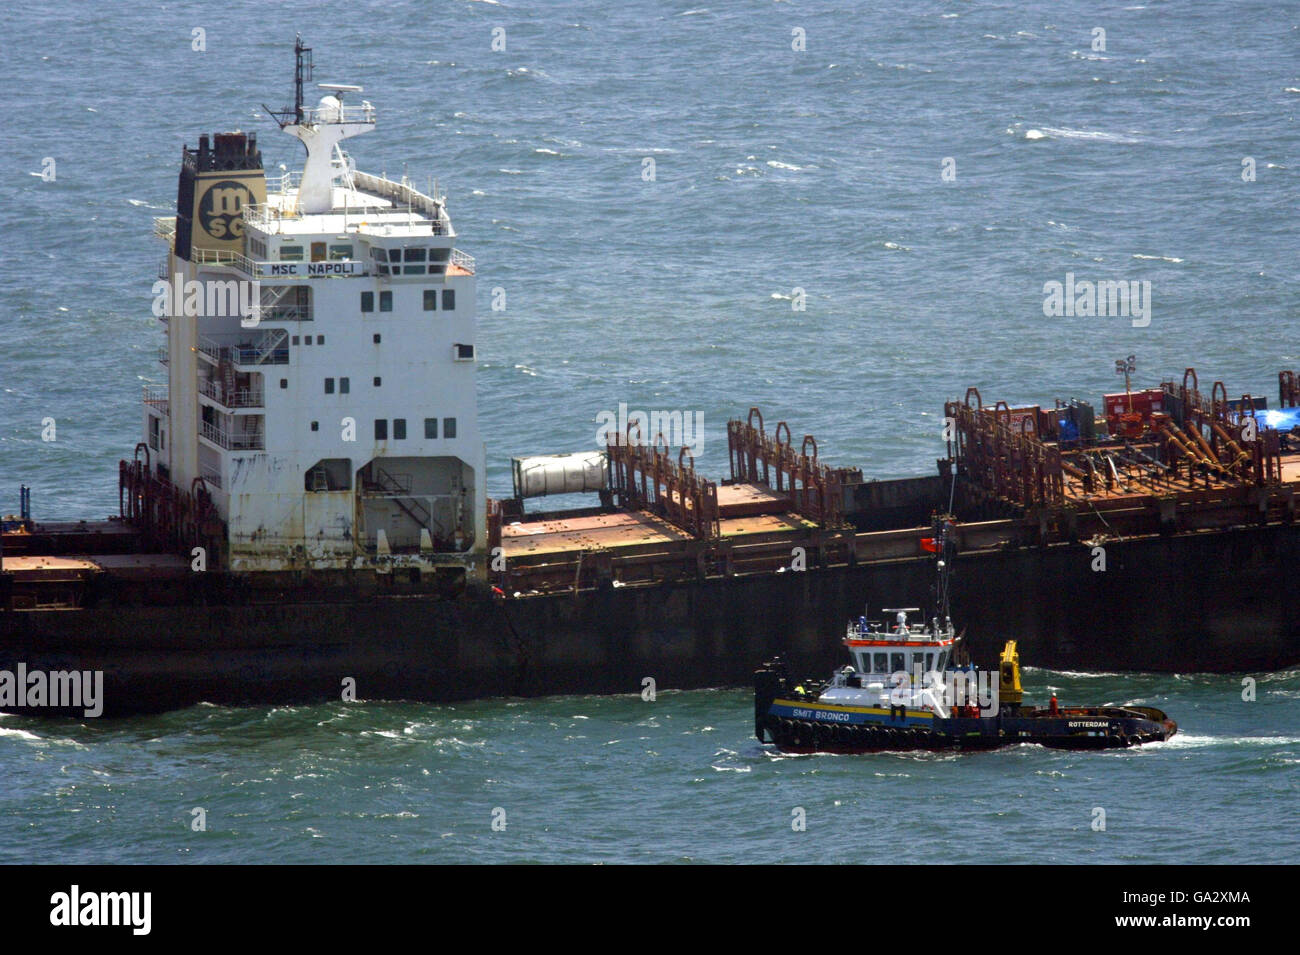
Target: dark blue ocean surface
column 617, row 779
column 775, row 171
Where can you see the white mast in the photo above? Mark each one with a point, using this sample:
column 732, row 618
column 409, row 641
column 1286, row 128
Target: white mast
column 320, row 130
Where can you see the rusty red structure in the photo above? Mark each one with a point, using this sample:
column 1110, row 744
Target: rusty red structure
column 1009, row 460
column 1288, row 389
column 1194, row 443
column 167, row 518
column 646, row 477
column 816, row 490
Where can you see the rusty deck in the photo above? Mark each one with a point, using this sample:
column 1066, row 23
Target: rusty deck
column 619, row 529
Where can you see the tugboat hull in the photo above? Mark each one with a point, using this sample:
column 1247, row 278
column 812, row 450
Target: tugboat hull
column 797, row 722
column 1079, row 730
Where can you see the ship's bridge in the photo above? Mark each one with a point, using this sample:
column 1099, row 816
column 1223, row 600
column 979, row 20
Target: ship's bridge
column 374, row 226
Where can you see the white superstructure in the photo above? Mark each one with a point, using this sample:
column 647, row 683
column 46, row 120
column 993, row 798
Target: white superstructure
column 333, row 418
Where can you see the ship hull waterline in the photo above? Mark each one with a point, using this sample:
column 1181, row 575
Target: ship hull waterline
column 1078, row 730
column 1165, row 605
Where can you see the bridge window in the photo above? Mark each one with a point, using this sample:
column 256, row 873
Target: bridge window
column 415, row 255
column 399, row 429
column 449, row 427
column 882, row 663
column 431, row 428
column 430, row 300
column 448, row 300
column 290, row 253
column 385, row 301
column 367, row 301
column 318, row 251
column 340, row 253
column 897, row 662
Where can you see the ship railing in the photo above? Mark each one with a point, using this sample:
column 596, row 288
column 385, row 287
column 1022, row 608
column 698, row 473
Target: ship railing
column 403, row 196
column 164, row 227
column 463, row 260
column 281, row 184
column 235, row 260
column 267, row 214
column 238, row 398
column 271, row 347
column 365, row 113
column 208, row 347
column 163, row 357
column 278, row 313
column 233, row 440
column 211, row 475
column 363, row 195
column 155, row 396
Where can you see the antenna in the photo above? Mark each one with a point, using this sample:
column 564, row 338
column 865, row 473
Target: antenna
column 1127, row 367
column 301, row 73
column 942, row 566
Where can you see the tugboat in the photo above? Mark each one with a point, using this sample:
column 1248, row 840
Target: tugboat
column 905, row 690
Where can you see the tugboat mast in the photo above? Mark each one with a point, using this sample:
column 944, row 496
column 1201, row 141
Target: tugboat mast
column 939, row 543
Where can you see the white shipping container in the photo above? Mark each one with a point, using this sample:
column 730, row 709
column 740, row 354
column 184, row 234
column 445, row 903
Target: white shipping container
column 573, row 473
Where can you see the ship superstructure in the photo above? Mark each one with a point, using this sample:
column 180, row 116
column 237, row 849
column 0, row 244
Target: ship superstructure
column 320, row 356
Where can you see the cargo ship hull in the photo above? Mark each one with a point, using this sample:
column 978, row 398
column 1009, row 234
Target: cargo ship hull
column 1211, row 602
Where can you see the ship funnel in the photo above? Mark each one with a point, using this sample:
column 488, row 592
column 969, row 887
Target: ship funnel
column 218, row 179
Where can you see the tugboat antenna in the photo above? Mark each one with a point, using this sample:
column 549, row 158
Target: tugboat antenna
column 942, row 564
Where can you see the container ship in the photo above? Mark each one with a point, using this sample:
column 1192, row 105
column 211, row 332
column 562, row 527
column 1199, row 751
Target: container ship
column 306, row 515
